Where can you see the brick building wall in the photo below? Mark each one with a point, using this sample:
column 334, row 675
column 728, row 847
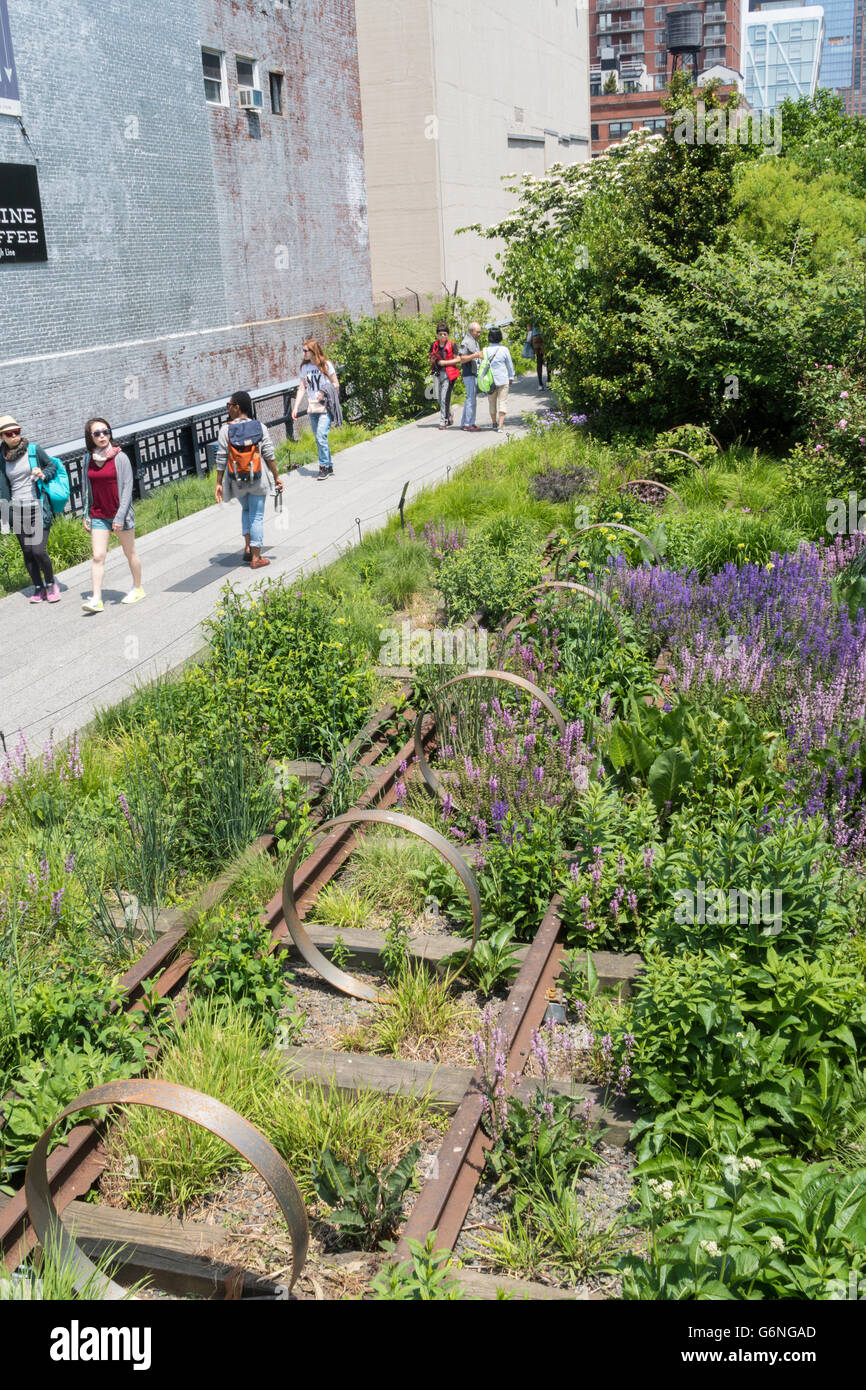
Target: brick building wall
column 191, row 247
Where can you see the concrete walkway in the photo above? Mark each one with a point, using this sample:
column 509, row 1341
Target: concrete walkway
column 59, row 665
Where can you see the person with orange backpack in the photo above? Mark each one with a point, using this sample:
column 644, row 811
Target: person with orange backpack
column 247, row 461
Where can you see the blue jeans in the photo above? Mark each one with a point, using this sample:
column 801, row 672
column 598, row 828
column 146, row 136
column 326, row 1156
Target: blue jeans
column 471, row 386
column 253, row 517
column 321, row 427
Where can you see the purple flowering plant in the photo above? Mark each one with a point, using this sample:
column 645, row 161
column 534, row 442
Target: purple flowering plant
column 541, row 1136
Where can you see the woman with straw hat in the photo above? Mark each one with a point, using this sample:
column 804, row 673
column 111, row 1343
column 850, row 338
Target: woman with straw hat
column 23, row 467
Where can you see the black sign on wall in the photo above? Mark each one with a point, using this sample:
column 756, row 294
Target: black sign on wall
column 22, row 233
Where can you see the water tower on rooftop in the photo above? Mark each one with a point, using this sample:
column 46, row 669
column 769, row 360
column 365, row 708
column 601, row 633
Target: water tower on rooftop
column 684, row 37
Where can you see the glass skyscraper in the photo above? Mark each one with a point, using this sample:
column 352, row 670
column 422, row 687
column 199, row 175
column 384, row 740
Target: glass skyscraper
column 839, row 51
column 837, row 55
column 782, row 53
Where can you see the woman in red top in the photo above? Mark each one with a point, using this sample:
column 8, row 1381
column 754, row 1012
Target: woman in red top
column 108, row 508
column 444, row 377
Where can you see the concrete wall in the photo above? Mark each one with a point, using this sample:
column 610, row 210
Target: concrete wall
column 398, row 104
column 444, row 83
column 190, row 247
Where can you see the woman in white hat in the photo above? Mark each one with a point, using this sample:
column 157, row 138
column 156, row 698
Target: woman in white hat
column 23, row 467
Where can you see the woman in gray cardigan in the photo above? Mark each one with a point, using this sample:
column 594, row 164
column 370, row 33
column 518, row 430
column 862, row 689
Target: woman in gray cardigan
column 108, row 508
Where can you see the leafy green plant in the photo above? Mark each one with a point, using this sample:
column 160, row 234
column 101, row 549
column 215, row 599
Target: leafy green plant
column 41, row 1089
column 543, row 1144
column 395, row 955
column 424, row 1276
column 778, row 1041
column 691, row 752
column 237, row 966
column 739, row 1226
column 493, row 963
column 367, row 1206
column 340, row 954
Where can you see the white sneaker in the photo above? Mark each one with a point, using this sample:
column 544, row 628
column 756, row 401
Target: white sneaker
column 92, row 605
column 133, row 596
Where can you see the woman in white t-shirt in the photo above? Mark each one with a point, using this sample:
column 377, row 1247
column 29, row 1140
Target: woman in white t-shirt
column 320, row 386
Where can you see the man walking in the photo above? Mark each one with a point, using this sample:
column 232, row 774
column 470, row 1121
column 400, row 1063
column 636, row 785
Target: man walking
column 469, row 356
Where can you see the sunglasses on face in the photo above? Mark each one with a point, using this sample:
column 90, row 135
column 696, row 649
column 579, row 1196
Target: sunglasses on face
column 97, row 434
column 13, row 434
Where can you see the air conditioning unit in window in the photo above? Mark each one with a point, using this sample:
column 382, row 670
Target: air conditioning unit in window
column 249, row 98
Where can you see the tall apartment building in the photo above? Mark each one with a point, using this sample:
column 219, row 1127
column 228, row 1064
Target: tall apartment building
column 454, row 96
column 630, row 64
column 192, row 178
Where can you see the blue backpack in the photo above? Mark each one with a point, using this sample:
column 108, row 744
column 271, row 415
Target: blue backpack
column 57, row 488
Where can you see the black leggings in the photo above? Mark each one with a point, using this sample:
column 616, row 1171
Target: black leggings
column 33, row 539
column 539, row 363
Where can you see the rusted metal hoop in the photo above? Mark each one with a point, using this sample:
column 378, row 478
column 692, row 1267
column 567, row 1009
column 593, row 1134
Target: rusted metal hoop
column 633, row 482
column 595, row 594
column 666, row 450
column 340, row 979
column 520, row 681
column 202, row 1110
column 609, row 526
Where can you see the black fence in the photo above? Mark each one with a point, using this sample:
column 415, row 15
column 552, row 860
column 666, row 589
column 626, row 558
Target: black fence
column 182, row 444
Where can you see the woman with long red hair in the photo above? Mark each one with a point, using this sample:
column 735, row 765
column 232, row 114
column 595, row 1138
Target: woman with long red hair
column 321, row 388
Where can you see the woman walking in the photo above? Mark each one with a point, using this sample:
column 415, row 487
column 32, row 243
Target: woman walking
column 107, row 509
column 243, row 446
column 503, row 374
column 23, row 467
column 322, row 389
column 444, row 376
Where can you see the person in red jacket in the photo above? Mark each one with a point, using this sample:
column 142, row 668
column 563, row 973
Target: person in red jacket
column 444, row 377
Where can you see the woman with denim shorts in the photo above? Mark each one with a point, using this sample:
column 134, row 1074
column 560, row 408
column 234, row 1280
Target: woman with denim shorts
column 321, row 386
column 253, row 489
column 108, row 508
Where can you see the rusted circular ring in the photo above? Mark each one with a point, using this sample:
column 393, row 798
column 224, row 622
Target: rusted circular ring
column 633, row 482
column 608, row 526
column 341, row 979
column 595, row 594
column 665, row 449
column 202, row 1110
column 543, row 699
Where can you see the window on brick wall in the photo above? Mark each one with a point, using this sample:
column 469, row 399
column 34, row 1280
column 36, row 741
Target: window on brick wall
column 213, row 67
column 275, row 82
column 617, row 129
column 248, row 72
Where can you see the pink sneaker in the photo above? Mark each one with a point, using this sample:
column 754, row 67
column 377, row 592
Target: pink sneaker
column 38, row 596
column 53, row 594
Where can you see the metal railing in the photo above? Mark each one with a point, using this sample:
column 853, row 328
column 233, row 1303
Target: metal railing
column 181, row 444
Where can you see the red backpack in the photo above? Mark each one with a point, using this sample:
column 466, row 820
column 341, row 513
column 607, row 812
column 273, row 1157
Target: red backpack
column 244, row 459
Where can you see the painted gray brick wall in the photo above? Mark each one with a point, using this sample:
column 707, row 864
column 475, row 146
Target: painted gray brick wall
column 167, row 282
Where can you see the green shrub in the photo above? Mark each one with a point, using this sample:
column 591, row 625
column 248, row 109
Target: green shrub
column 497, row 564
column 384, row 365
column 291, row 668
column 738, row 1226
column 691, row 439
column 779, row 1042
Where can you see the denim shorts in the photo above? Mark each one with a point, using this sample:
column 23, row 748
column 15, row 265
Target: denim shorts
column 98, row 523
